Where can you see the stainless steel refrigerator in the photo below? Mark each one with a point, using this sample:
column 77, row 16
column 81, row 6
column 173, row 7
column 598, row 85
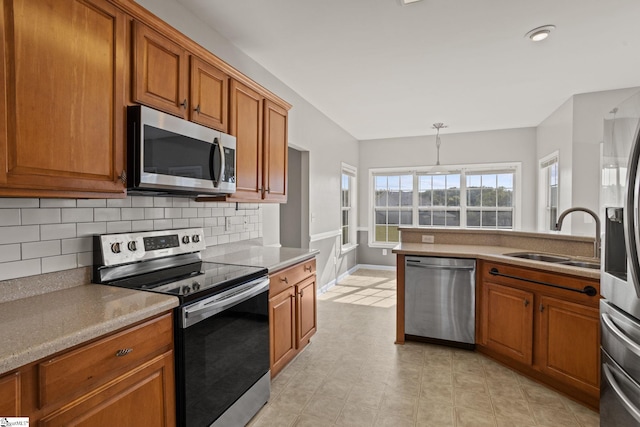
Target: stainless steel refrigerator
column 620, row 278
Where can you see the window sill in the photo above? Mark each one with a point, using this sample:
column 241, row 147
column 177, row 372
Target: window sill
column 348, row 248
column 384, row 245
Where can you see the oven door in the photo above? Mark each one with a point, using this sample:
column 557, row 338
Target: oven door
column 222, row 357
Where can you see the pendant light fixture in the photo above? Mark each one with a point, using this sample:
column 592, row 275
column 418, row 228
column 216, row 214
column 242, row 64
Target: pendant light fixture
column 437, row 168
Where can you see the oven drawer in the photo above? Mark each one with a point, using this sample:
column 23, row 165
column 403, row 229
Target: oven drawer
column 288, row 277
column 96, row 363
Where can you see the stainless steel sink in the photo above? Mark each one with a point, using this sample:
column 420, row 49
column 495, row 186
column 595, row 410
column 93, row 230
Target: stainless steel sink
column 583, row 264
column 540, row 257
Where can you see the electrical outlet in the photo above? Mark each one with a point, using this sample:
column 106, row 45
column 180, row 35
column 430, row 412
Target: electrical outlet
column 427, row 238
column 384, row 252
column 227, row 224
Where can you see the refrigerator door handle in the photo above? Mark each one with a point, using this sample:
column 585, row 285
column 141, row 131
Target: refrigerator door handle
column 631, row 220
column 623, row 398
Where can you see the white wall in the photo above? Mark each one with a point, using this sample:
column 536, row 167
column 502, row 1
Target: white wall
column 575, row 130
column 510, row 145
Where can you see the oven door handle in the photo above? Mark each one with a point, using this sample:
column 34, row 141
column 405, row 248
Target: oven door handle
column 202, row 310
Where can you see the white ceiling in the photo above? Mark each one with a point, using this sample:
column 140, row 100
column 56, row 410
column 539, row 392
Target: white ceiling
column 381, row 70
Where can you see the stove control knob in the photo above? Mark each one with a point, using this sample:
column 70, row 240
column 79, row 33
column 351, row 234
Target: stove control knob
column 115, row 248
column 186, row 290
column 185, row 239
column 132, row 246
column 196, row 286
column 195, row 238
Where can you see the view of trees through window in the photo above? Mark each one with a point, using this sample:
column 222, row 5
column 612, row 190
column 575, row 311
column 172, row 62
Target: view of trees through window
column 455, row 199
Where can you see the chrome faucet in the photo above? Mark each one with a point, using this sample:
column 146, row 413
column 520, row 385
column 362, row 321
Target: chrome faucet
column 596, row 243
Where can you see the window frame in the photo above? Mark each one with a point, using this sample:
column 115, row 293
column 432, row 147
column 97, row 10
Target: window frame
column 352, row 173
column 544, row 190
column 462, row 169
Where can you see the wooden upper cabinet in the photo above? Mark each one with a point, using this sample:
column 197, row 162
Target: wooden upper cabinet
column 209, row 95
column 160, row 72
column 507, row 321
column 567, row 343
column 275, row 152
column 63, row 93
column 246, row 124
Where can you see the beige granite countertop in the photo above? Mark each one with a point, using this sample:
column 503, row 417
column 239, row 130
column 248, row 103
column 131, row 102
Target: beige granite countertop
column 492, row 253
column 38, row 326
column 271, row 258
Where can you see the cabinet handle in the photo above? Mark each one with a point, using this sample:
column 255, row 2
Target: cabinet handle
column 307, row 268
column 197, row 109
column 184, row 103
column 541, row 308
column 123, row 177
column 285, row 280
column 268, row 190
column 261, row 190
column 301, row 293
column 123, row 352
column 526, row 302
column 588, row 290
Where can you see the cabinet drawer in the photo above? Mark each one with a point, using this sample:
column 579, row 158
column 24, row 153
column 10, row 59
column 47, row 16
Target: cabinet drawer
column 283, row 279
column 74, row 372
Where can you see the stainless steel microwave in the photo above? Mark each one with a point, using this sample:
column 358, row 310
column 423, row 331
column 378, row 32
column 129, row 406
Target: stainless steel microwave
column 170, row 155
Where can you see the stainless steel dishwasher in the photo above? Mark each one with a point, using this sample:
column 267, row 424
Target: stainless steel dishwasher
column 440, row 300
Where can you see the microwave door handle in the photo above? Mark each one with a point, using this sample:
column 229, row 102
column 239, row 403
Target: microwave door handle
column 222, row 163
column 632, row 238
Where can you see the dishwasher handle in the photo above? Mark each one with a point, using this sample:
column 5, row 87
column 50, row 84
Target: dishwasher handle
column 411, row 263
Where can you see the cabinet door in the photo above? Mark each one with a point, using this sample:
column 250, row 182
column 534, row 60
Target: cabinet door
column 282, row 329
column 275, row 152
column 143, row 397
column 10, row 395
column 569, row 343
column 306, row 307
column 246, row 124
column 160, row 72
column 209, row 95
column 507, row 321
column 63, row 84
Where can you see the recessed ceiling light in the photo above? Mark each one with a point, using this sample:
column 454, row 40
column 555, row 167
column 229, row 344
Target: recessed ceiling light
column 540, row 33
column 403, row 2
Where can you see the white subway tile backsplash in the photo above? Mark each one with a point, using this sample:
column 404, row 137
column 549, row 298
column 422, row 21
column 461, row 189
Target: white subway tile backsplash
column 9, row 253
column 141, row 202
column 145, row 225
column 19, row 234
column 59, row 263
column 91, row 203
column 128, row 214
column 77, row 215
column 57, row 231
column 58, row 203
column 19, row 203
column 119, row 203
column 40, row 216
column 40, row 249
column 9, row 217
column 153, row 213
column 119, row 227
column 38, row 236
column 91, row 228
column 106, row 214
column 162, row 224
column 15, row 269
column 172, row 212
column 80, row 244
column 181, row 223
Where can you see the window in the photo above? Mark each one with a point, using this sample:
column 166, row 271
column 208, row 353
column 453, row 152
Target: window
column 549, row 191
column 477, row 196
column 347, row 206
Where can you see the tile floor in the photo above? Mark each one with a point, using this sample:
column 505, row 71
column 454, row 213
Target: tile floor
column 352, row 374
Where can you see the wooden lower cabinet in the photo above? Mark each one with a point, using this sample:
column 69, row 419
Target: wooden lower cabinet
column 125, row 378
column 292, row 312
column 507, row 321
column 547, row 333
column 10, row 395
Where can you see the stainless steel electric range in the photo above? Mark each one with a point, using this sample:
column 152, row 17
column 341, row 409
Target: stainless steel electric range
column 221, row 325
